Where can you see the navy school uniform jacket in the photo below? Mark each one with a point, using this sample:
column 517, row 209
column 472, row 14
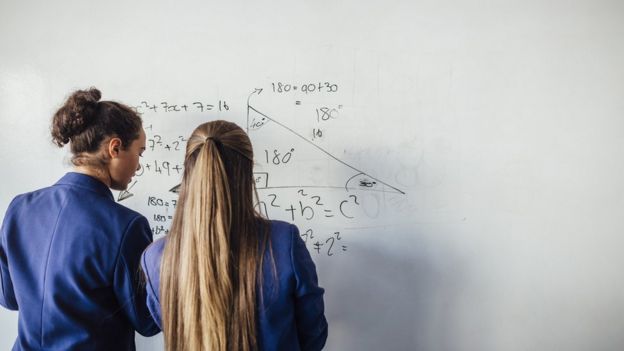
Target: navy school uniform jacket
column 291, row 315
column 69, row 260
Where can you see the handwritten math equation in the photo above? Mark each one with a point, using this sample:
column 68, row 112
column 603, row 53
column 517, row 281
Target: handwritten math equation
column 169, row 107
column 307, row 206
column 304, row 87
column 308, row 209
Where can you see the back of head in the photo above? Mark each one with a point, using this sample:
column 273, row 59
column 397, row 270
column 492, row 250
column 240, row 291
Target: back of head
column 222, row 149
column 209, row 269
column 85, row 122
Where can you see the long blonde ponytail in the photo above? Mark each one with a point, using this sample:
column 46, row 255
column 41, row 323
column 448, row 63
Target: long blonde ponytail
column 209, row 269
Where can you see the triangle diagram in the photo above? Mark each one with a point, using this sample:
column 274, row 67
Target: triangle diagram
column 315, row 167
column 124, row 194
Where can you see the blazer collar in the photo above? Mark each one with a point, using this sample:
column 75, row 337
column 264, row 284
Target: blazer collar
column 86, row 182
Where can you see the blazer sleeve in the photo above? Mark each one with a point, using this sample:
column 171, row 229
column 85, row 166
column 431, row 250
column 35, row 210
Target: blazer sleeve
column 151, row 285
column 129, row 284
column 309, row 305
column 7, row 295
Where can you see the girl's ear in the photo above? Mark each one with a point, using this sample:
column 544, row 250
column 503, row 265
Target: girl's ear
column 114, row 147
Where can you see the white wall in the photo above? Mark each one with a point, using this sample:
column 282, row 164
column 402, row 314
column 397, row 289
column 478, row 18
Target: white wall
column 500, row 121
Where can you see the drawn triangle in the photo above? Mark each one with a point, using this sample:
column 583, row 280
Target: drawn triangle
column 175, row 189
column 316, row 167
column 125, row 194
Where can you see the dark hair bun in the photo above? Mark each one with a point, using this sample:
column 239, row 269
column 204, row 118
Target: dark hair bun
column 76, row 115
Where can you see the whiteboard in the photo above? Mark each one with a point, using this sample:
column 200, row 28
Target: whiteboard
column 455, row 168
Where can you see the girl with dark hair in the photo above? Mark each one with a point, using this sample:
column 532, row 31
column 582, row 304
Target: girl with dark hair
column 225, row 278
column 69, row 254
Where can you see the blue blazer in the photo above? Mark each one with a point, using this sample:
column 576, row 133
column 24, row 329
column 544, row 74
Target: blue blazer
column 291, row 316
column 69, row 260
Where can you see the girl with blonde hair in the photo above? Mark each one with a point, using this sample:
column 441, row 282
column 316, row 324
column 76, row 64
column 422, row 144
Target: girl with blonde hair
column 225, row 278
